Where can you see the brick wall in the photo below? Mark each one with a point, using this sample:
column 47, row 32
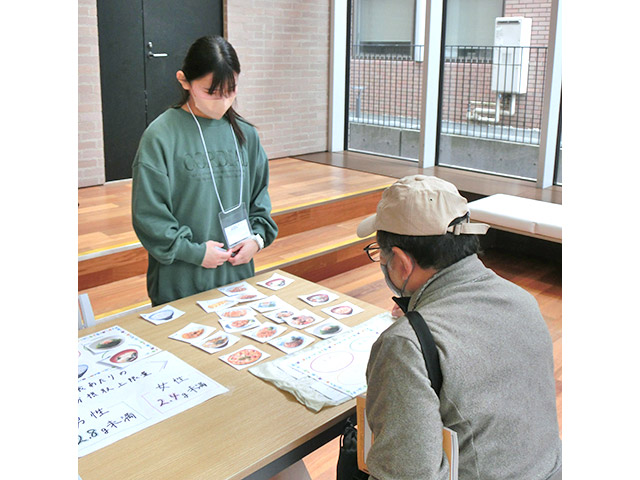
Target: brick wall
column 90, row 146
column 283, row 47
column 539, row 11
column 387, row 87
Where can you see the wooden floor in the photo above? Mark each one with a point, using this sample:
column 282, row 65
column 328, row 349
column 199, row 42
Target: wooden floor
column 104, row 212
column 469, row 182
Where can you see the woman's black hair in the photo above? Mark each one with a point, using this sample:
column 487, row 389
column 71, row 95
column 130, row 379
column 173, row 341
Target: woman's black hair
column 214, row 54
column 437, row 251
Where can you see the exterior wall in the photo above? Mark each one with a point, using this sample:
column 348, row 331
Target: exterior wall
column 528, row 106
column 507, row 158
column 390, row 86
column 539, row 11
column 284, row 52
column 464, row 82
column 90, row 145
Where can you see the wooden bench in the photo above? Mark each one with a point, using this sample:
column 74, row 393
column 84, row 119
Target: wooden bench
column 524, row 216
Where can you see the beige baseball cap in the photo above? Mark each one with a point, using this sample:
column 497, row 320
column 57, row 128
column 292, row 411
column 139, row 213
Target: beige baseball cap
column 420, row 205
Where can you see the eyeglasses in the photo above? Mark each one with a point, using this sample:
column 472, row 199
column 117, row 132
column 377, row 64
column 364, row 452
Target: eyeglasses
column 373, row 251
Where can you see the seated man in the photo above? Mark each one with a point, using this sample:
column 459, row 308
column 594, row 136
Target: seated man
column 495, row 351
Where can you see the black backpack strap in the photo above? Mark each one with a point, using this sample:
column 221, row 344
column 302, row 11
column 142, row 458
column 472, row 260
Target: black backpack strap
column 429, row 350
column 402, row 302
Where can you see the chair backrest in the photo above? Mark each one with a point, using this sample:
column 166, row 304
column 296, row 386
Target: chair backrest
column 85, row 312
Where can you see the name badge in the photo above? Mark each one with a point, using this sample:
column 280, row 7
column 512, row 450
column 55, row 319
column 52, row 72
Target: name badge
column 235, row 225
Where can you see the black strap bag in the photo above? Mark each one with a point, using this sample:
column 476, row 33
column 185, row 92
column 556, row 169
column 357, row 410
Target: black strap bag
column 348, row 457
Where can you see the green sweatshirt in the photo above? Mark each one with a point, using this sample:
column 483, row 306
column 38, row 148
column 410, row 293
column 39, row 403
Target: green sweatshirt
column 174, row 204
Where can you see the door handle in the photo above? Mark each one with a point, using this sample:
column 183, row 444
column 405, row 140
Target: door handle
column 150, row 54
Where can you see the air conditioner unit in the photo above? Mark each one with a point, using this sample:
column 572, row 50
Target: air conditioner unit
column 511, row 44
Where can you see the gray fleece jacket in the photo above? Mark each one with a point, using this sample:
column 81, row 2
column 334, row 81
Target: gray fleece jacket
column 498, row 390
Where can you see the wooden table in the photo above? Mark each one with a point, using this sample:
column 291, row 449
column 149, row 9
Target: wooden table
column 253, row 431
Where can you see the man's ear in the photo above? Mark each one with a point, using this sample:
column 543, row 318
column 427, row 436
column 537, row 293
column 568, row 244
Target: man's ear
column 183, row 80
column 404, row 265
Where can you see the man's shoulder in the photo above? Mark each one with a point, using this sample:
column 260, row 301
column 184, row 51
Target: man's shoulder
column 398, row 333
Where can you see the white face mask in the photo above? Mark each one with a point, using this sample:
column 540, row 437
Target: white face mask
column 215, row 108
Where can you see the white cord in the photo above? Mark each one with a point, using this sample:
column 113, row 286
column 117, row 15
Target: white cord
column 213, row 180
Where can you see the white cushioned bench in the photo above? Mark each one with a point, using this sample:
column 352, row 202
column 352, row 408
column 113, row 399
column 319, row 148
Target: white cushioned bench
column 524, row 216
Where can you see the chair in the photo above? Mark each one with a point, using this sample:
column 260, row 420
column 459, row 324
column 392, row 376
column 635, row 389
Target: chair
column 85, row 312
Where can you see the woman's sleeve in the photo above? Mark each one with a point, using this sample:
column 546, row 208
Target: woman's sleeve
column 403, row 413
column 260, row 207
column 151, row 207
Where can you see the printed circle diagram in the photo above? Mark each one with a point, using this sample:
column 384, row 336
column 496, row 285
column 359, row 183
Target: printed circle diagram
column 352, row 376
column 363, row 343
column 332, row 362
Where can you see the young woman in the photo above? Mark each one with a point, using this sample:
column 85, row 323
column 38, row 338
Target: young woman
column 200, row 204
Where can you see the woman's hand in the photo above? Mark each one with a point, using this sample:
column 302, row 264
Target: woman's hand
column 244, row 252
column 215, row 254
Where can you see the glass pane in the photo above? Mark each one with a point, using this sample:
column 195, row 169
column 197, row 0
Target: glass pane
column 493, row 85
column 558, row 179
column 385, row 77
column 470, row 22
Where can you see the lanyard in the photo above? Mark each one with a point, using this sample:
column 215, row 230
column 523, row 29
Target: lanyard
column 213, row 180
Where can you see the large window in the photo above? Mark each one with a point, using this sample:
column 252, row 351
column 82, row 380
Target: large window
column 492, row 93
column 383, row 28
column 469, row 26
column 558, row 170
column 385, row 78
column 484, row 110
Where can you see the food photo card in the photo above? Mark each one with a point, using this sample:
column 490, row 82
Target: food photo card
column 239, row 311
column 242, row 292
column 291, row 342
column 106, row 342
column 215, row 304
column 244, row 357
column 265, row 332
column 237, row 288
column 114, row 346
column 282, row 314
column 304, row 318
column 239, row 324
column 249, row 296
column 216, row 341
column 123, row 358
column 342, row 310
column 327, row 329
column 268, row 304
column 275, row 282
column 162, row 315
column 192, row 333
column 321, row 297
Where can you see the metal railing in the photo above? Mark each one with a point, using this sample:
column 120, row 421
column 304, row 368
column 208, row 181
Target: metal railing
column 487, row 92
column 386, row 84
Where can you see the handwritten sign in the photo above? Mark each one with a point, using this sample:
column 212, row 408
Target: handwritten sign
column 119, row 402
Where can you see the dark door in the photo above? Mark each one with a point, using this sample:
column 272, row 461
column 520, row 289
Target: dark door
column 142, row 45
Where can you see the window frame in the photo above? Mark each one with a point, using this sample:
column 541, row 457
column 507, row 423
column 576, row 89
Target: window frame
column 433, row 64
